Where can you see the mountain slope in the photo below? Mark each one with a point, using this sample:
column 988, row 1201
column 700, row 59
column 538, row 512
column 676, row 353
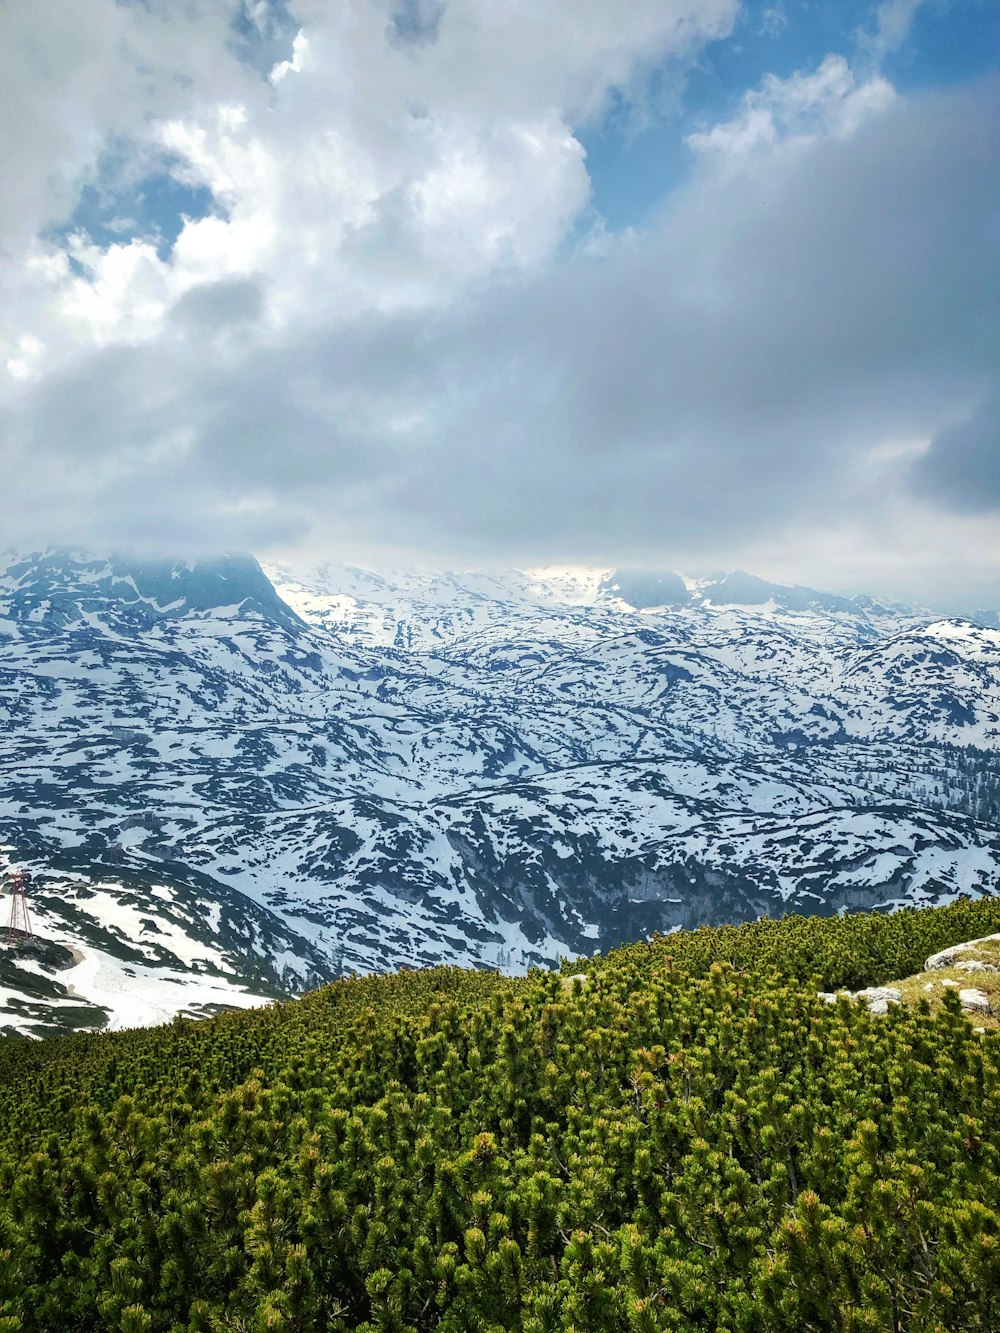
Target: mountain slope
column 370, row 770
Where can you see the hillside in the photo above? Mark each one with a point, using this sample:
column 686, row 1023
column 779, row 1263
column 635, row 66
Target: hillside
column 258, row 781
column 681, row 1135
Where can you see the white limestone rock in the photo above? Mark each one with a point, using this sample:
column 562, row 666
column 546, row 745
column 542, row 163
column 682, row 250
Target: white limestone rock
column 878, row 998
column 947, row 957
column 975, row 1001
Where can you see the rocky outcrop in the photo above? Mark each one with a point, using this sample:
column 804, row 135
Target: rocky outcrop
column 952, row 957
column 877, row 998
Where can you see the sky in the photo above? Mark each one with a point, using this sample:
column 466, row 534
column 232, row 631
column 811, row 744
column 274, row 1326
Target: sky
column 682, row 284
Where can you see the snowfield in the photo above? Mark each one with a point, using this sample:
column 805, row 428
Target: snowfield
column 232, row 784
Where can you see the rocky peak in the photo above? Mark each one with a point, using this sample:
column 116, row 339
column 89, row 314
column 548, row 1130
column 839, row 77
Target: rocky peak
column 61, row 587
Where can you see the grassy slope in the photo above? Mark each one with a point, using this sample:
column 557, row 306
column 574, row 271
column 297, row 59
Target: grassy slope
column 931, row 985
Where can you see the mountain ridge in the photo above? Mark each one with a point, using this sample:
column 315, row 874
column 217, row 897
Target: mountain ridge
column 58, row 583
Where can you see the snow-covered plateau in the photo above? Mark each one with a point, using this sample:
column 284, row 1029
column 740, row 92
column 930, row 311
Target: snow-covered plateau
column 231, row 783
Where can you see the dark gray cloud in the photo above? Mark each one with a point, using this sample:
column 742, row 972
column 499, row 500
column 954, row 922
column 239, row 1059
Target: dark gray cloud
column 732, row 369
column 962, row 466
column 416, row 22
column 218, row 305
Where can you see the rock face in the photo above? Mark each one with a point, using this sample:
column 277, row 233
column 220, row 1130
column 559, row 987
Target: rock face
column 354, row 771
column 59, row 587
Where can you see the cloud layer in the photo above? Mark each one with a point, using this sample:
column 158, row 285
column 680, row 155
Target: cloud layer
column 401, row 325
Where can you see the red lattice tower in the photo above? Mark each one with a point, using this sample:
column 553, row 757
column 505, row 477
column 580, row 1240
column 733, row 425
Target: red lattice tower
column 20, row 921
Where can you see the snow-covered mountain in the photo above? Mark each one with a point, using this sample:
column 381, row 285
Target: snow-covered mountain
column 233, row 782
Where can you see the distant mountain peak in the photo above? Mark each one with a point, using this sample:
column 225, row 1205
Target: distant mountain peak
column 643, row 589
column 61, row 585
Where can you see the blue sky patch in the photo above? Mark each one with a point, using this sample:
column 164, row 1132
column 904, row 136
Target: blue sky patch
column 634, row 161
column 263, row 32
column 114, row 211
column 636, row 155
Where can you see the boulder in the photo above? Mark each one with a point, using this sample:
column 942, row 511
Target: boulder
column 878, row 998
column 974, row 1001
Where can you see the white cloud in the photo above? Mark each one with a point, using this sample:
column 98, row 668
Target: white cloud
column 79, row 78
column 829, row 102
column 370, row 172
column 379, row 335
column 773, row 20
column 893, row 20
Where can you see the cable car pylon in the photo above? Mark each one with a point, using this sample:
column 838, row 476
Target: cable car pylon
column 20, row 921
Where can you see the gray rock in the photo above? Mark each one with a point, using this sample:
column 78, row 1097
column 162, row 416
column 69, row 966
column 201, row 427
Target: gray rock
column 947, row 956
column 975, row 1001
column 878, row 998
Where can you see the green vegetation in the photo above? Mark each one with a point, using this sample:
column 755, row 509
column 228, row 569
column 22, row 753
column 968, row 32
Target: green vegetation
column 688, row 1138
